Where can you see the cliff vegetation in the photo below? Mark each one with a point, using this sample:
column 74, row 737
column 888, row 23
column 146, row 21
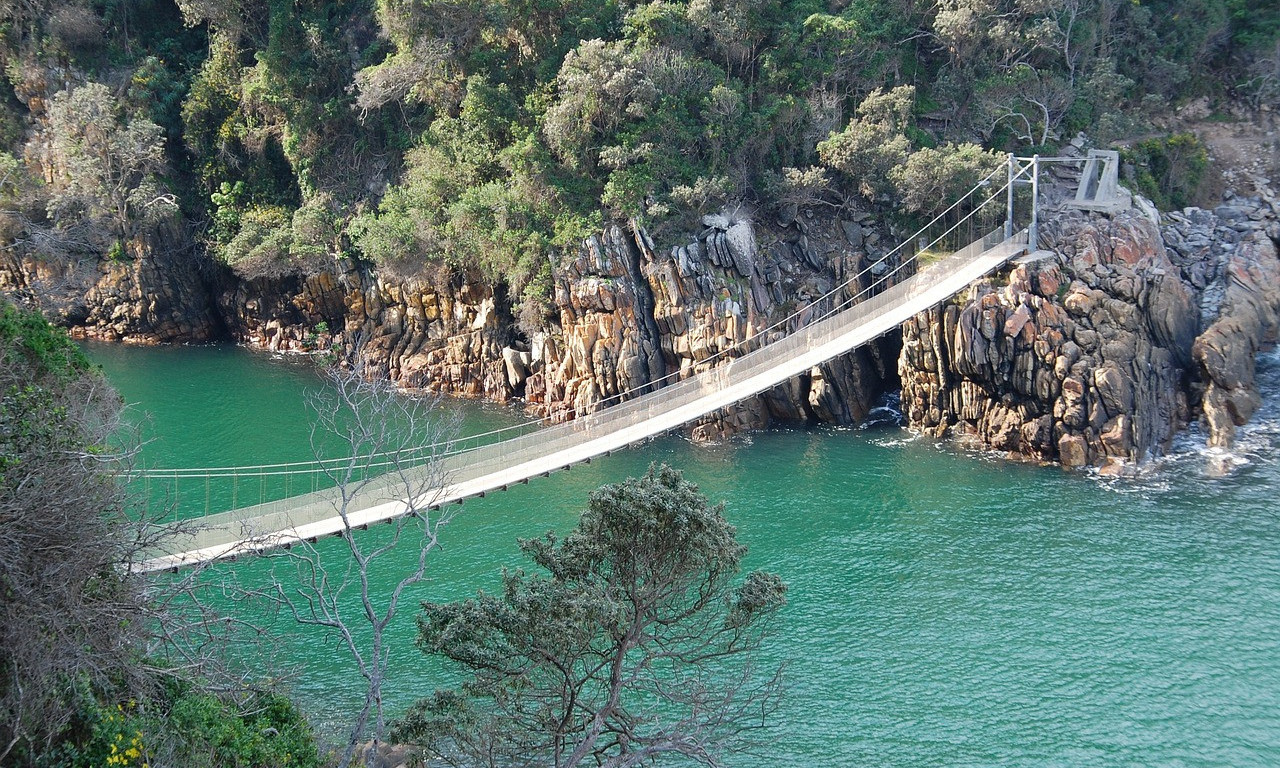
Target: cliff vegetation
column 484, row 136
column 561, row 201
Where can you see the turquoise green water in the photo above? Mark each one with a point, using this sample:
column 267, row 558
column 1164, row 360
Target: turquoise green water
column 945, row 608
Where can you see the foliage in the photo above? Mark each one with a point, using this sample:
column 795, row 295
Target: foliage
column 105, row 169
column 874, row 143
column 465, row 202
column 30, row 342
column 272, row 240
column 799, row 186
column 88, row 647
column 185, row 726
column 875, row 152
column 482, row 135
column 631, row 643
column 68, row 612
column 1169, row 170
column 931, row 178
column 266, row 730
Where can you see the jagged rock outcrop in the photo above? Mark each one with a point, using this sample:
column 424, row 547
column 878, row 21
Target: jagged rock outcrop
column 155, row 293
column 632, row 314
column 1231, row 254
column 606, row 345
column 1098, row 354
column 1065, row 361
column 450, row 334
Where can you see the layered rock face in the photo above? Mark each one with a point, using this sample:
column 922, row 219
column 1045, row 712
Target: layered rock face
column 1232, row 253
column 633, row 316
column 447, row 335
column 606, row 345
column 157, row 294
column 1096, row 355
column 1100, row 352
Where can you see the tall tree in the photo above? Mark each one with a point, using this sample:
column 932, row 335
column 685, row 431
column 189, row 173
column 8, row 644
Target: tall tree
column 381, row 434
column 635, row 644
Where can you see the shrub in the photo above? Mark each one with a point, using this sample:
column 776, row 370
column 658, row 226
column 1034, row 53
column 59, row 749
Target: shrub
column 1169, row 170
column 931, row 179
column 188, row 727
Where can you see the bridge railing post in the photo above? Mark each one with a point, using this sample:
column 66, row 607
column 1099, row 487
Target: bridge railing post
column 1008, row 219
column 1032, row 231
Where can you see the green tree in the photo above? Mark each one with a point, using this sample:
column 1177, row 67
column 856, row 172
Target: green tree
column 635, row 643
column 931, row 179
column 1169, row 170
column 105, row 170
column 874, row 142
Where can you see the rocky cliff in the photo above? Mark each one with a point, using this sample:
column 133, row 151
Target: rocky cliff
column 447, row 334
column 1240, row 303
column 633, row 315
column 1098, row 351
column 1094, row 353
column 154, row 292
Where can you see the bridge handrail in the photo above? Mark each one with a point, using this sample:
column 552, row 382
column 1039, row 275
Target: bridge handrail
column 788, row 325
column 460, row 468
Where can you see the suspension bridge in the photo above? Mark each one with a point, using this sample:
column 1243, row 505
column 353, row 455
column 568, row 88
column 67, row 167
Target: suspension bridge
column 976, row 235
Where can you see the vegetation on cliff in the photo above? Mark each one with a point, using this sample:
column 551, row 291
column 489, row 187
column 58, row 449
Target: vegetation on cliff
column 90, row 673
column 484, row 135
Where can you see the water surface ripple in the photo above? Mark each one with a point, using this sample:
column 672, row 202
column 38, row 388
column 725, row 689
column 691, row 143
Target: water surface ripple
column 945, row 608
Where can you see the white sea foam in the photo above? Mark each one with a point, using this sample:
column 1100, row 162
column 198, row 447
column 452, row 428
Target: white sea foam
column 1256, row 443
column 899, row 438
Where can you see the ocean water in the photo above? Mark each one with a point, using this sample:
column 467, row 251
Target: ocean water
column 945, row 607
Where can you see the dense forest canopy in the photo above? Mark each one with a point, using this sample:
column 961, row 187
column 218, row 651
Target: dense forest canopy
column 484, row 134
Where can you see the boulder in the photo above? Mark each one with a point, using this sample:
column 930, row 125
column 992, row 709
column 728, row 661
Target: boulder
column 1084, row 358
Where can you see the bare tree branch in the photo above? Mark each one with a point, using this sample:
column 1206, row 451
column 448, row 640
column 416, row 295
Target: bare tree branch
column 382, row 432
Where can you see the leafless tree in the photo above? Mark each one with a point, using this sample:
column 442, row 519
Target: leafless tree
column 1262, row 82
column 1030, row 103
column 393, row 446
